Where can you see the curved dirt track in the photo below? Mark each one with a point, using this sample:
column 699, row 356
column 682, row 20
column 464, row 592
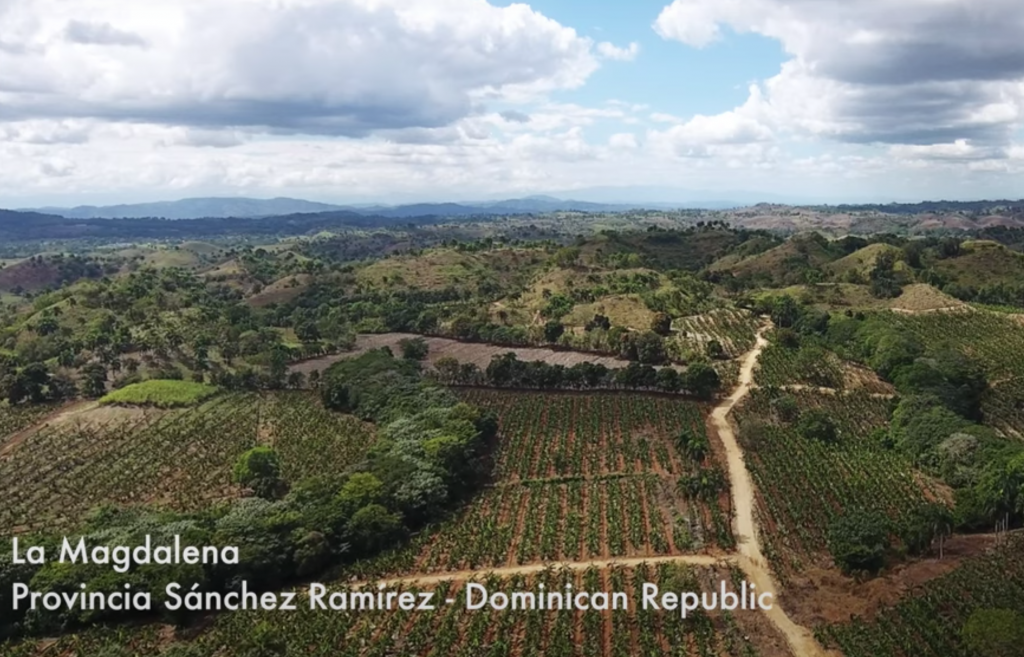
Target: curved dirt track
column 751, row 560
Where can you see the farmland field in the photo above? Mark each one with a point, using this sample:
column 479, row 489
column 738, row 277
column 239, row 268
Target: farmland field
column 181, row 459
column 577, row 477
column 854, row 473
column 17, row 418
column 996, row 341
column 732, row 329
column 859, row 463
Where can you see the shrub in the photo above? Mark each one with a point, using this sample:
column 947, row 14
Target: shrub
column 859, row 541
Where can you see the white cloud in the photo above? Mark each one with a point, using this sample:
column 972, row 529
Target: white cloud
column 307, row 66
column 743, row 131
column 101, row 34
column 203, row 138
column 46, row 132
column 661, row 117
column 919, row 72
column 623, row 141
column 693, row 23
column 960, row 150
column 56, row 168
column 444, row 98
column 611, row 51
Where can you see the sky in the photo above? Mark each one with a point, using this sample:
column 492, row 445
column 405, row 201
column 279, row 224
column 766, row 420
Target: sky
column 392, row 101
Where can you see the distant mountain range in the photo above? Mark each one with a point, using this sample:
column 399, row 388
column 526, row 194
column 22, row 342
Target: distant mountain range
column 224, row 207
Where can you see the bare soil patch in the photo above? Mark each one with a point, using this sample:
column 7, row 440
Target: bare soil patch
column 822, row 595
column 62, row 415
column 465, row 352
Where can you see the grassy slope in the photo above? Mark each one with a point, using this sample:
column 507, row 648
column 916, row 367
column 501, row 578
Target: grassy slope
column 778, row 263
column 441, row 268
column 983, row 263
column 163, row 394
column 862, row 260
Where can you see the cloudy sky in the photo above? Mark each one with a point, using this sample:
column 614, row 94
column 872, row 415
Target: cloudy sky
column 105, row 101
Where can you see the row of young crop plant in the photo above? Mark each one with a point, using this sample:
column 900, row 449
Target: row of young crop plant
column 931, row 621
column 180, row 459
column 779, row 365
column 16, row 418
column 559, row 435
column 452, row 630
column 856, row 413
column 733, row 329
column 579, row 520
column 995, row 340
column 616, row 494
column 805, row 483
column 311, row 440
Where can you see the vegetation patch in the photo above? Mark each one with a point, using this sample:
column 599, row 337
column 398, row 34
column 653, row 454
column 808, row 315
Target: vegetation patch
column 162, row 394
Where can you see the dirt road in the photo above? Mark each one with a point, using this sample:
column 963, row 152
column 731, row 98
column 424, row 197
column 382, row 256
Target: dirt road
column 527, row 569
column 750, row 558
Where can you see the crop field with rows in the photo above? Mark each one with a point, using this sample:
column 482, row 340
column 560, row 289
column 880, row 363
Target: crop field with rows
column 997, row 341
column 310, row 439
column 179, row 459
column 804, row 483
column 733, row 329
column 578, row 477
column 16, row 418
column 930, row 622
column 546, row 436
column 452, row 630
column 781, row 366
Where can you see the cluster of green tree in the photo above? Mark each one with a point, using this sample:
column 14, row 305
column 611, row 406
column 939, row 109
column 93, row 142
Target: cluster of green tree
column 691, row 248
column 160, row 321
column 29, row 226
column 507, row 371
column 996, row 294
column 861, row 541
column 995, row 631
column 33, row 383
column 930, row 207
column 937, row 421
column 50, row 272
column 326, row 304
column 885, row 281
column 428, row 456
column 682, row 294
column 920, row 260
column 1009, row 236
